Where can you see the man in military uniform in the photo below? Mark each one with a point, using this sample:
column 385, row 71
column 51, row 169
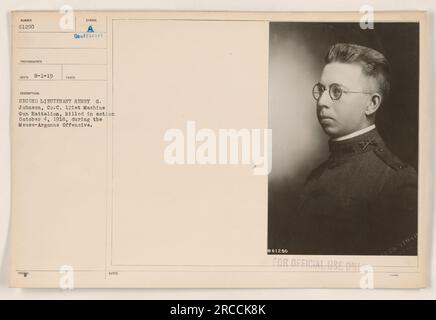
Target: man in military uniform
column 362, row 200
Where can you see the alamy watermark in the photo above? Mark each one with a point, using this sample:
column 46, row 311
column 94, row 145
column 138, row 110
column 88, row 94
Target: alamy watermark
column 367, row 19
column 67, row 19
column 66, row 280
column 219, row 147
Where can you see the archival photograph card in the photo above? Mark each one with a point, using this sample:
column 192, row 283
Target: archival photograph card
column 219, row 149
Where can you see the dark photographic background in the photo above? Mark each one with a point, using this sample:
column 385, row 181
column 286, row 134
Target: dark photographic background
column 296, row 60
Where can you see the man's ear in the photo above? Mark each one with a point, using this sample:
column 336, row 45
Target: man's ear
column 373, row 104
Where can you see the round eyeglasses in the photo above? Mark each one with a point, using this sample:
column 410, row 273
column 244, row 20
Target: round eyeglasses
column 335, row 91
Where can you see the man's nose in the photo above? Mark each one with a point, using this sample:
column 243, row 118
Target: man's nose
column 324, row 100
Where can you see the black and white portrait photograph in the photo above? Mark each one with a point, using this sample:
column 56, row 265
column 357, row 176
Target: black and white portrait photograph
column 343, row 108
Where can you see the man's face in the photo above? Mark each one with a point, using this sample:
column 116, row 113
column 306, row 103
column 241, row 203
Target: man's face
column 346, row 115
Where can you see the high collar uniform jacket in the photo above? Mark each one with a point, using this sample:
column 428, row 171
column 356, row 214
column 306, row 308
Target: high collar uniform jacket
column 361, row 201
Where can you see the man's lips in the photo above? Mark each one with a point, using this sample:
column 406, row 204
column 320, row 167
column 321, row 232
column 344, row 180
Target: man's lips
column 325, row 118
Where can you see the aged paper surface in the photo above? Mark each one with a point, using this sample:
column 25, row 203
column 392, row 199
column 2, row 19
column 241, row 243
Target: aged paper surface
column 94, row 204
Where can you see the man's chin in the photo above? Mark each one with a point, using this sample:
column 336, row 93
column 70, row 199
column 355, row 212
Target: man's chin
column 332, row 132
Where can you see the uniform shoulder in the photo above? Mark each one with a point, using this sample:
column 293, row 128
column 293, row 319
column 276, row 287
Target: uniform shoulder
column 399, row 174
column 392, row 161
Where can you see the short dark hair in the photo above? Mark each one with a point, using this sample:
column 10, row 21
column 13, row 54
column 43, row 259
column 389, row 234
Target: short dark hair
column 373, row 63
